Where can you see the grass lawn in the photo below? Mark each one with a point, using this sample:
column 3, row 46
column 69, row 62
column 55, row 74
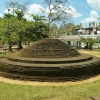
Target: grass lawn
column 70, row 92
column 65, row 92
column 2, row 54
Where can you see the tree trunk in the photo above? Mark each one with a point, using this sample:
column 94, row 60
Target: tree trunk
column 79, row 45
column 10, row 46
column 87, row 45
column 91, row 46
column 20, row 45
column 69, row 43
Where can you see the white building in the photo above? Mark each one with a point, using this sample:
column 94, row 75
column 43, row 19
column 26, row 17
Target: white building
column 74, row 40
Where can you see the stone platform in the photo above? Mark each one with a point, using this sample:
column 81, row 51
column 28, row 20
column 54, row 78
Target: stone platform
column 38, row 66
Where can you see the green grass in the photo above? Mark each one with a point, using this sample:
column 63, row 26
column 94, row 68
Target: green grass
column 68, row 92
column 71, row 92
column 95, row 53
column 2, row 54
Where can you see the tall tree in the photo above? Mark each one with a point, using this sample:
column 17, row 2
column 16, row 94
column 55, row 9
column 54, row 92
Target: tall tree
column 56, row 11
column 19, row 9
column 54, row 31
column 20, row 31
column 7, row 31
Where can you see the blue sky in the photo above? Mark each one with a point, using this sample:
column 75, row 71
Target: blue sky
column 83, row 11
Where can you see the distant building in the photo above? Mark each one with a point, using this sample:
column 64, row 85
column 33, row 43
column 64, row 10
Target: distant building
column 89, row 32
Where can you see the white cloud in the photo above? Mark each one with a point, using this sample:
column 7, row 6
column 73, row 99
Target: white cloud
column 95, row 4
column 1, row 15
column 71, row 10
column 92, row 18
column 74, row 13
column 36, row 9
column 51, row 7
column 9, row 10
column 94, row 14
column 33, row 9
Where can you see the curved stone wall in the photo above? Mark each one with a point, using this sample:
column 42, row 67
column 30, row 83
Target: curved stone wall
column 31, row 69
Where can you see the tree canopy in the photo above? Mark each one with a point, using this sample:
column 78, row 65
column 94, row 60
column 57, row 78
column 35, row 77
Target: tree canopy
column 14, row 27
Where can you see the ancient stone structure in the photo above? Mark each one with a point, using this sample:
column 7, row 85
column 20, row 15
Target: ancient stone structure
column 49, row 48
column 49, row 60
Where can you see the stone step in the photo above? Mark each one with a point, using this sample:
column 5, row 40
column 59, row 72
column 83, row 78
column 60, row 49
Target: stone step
column 82, row 58
column 41, row 78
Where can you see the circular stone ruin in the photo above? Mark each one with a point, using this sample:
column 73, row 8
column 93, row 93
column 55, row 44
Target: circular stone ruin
column 49, row 60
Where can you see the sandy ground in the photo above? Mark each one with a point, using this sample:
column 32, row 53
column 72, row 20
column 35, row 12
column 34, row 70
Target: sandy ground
column 6, row 80
column 2, row 79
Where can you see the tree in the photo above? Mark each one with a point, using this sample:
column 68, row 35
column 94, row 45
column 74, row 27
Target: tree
column 54, row 31
column 7, row 30
column 12, row 30
column 21, row 29
column 57, row 12
column 37, row 27
column 77, row 27
column 19, row 10
column 67, row 29
column 99, row 26
column 89, row 42
column 15, row 5
column 20, row 14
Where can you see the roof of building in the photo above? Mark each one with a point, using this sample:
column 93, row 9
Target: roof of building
column 70, row 37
